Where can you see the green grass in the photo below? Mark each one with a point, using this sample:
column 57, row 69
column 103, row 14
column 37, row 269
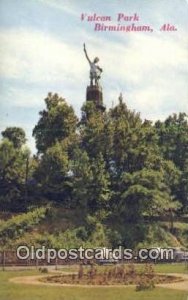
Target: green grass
column 172, row 268
column 159, row 268
column 12, row 291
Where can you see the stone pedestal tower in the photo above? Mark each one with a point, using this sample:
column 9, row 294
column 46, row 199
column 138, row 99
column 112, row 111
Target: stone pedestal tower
column 94, row 93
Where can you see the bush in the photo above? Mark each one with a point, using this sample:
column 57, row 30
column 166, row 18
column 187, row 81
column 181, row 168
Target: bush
column 146, row 281
column 18, row 225
column 145, row 284
column 43, row 270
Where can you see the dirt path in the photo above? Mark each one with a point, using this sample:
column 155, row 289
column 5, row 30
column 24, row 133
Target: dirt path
column 35, row 280
column 182, row 285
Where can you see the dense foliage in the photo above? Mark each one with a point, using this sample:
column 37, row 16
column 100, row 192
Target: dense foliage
column 17, row 225
column 115, row 167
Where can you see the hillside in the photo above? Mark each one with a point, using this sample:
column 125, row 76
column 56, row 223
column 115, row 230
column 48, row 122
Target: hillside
column 106, row 179
column 65, row 228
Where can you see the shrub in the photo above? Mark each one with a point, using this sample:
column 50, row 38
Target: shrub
column 146, row 281
column 18, row 225
column 43, row 270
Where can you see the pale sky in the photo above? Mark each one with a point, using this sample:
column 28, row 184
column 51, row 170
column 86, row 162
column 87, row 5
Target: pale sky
column 41, row 51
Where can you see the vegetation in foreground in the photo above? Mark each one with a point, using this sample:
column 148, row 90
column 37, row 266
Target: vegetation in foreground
column 11, row 291
column 144, row 278
column 118, row 179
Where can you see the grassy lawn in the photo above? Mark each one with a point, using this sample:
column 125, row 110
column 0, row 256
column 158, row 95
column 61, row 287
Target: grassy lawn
column 172, row 268
column 159, row 268
column 12, row 291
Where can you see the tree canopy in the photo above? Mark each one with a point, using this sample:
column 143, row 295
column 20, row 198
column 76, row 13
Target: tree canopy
column 111, row 165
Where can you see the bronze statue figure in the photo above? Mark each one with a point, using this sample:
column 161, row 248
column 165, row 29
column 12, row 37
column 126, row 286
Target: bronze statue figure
column 95, row 70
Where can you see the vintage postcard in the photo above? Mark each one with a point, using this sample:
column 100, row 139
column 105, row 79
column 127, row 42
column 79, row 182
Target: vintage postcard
column 93, row 149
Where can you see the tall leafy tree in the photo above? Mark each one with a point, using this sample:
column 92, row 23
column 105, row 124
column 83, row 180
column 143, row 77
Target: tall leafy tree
column 57, row 122
column 134, row 141
column 173, row 142
column 101, row 185
column 16, row 135
column 13, row 165
column 91, row 185
column 173, row 138
column 134, row 147
column 52, row 172
column 91, row 129
column 82, row 179
column 145, row 193
column 182, row 192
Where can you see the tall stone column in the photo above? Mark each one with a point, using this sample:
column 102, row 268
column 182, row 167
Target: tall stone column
column 94, row 93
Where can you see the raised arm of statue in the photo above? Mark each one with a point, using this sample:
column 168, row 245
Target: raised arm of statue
column 86, row 54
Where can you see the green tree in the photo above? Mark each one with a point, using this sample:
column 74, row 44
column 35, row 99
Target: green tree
column 82, row 179
column 145, row 193
column 173, row 138
column 56, row 123
column 13, row 162
column 91, row 183
column 134, row 141
column 16, row 135
column 91, row 129
column 173, row 143
column 134, row 147
column 182, row 192
column 52, row 172
column 101, row 190
column 172, row 176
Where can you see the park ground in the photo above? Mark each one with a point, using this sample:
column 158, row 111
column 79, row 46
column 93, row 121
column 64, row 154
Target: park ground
column 10, row 290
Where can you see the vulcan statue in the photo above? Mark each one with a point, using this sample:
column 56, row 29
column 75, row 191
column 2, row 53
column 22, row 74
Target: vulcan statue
column 95, row 70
